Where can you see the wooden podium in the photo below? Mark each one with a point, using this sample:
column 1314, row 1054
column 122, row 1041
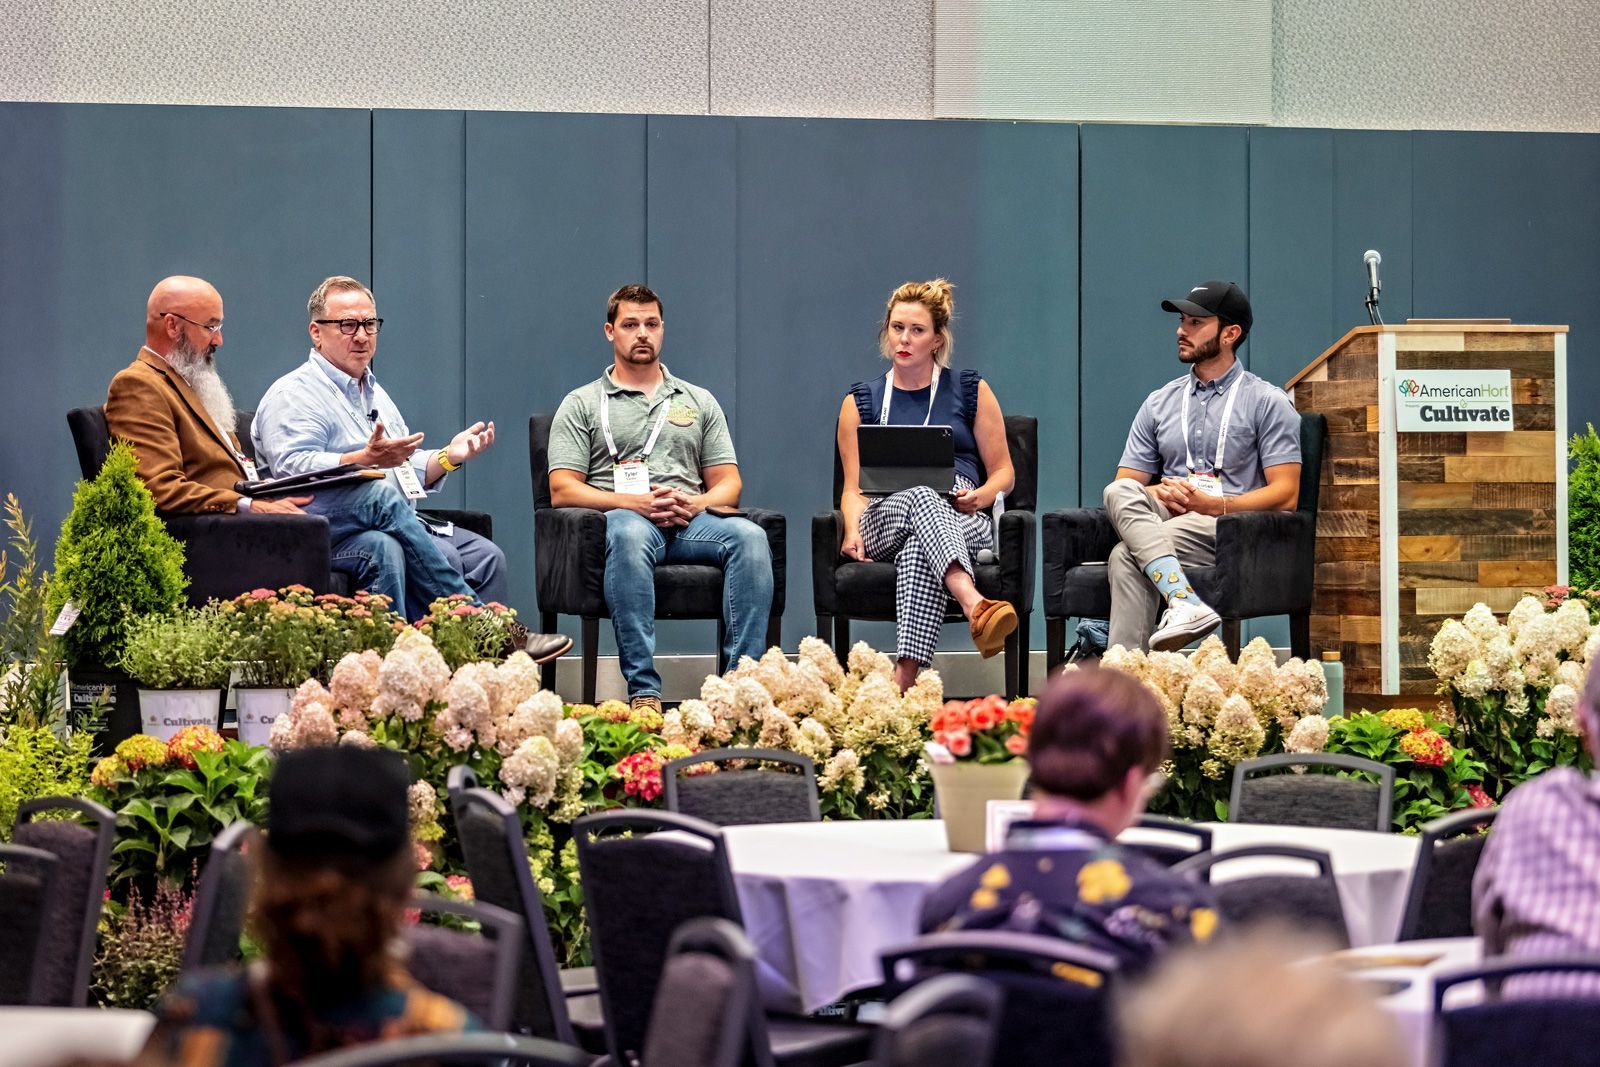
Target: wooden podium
column 1417, row 527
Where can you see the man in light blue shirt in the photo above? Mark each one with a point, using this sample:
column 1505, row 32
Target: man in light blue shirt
column 331, row 410
column 1214, row 441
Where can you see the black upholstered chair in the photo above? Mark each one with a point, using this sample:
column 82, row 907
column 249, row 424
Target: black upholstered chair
column 1163, row 845
column 26, row 886
column 1056, row 994
column 706, row 998
column 744, row 795
column 221, row 899
column 1541, row 1026
column 1268, row 789
column 502, row 1050
column 1439, row 902
column 949, row 1019
column 688, row 877
column 561, row 1005
column 83, row 855
column 845, row 589
column 225, row 555
column 1308, row 902
column 1264, row 566
column 569, row 549
column 477, row 971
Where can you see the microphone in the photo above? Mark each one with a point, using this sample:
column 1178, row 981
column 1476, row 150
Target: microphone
column 1371, row 258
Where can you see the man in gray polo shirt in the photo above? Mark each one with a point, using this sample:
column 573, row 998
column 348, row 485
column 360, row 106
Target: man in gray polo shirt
column 1215, row 441
column 654, row 453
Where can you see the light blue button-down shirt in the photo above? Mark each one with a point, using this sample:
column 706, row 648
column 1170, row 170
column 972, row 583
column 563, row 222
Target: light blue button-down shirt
column 316, row 413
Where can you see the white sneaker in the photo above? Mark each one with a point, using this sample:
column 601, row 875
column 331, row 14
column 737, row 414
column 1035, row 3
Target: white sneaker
column 1182, row 622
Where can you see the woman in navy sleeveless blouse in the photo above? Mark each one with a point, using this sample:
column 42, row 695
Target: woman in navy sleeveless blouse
column 931, row 537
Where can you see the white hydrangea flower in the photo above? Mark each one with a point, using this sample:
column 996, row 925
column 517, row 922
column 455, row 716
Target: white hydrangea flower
column 1571, row 621
column 1474, row 682
column 1527, row 609
column 1453, row 647
column 1310, row 734
column 1482, row 623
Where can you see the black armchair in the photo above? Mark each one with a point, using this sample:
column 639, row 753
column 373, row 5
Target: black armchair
column 1265, row 561
column 569, row 548
column 846, row 589
column 225, row 555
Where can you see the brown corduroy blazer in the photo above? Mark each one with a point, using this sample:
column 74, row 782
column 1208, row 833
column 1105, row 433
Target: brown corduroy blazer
column 184, row 459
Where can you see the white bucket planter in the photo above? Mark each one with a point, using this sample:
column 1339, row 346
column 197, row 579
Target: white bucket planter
column 258, row 709
column 163, row 712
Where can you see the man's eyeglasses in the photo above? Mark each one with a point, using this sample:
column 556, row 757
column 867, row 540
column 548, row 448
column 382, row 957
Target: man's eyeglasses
column 214, row 330
column 348, row 327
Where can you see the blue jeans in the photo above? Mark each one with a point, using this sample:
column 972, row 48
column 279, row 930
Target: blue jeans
column 634, row 545
column 381, row 544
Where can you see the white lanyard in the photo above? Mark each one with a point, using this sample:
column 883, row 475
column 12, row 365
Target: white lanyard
column 888, row 394
column 363, row 418
column 605, row 425
column 1222, row 429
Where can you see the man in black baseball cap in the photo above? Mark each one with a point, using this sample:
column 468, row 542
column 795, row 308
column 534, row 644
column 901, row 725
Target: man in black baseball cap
column 1214, row 441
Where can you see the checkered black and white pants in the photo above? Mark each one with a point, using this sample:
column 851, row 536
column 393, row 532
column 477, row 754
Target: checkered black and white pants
column 922, row 534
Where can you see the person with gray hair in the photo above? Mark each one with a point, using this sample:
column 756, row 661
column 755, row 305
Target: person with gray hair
column 1536, row 892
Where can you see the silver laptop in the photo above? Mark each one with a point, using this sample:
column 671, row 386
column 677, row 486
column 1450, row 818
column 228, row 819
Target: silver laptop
column 894, row 458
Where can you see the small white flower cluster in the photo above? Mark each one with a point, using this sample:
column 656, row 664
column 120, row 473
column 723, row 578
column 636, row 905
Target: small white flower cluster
column 1227, row 708
column 1534, row 652
column 814, row 706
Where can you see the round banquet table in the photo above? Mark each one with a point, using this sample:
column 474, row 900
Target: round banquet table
column 821, row 900
column 49, row 1035
column 1414, row 963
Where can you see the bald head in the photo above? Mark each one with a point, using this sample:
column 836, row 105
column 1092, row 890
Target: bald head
column 182, row 312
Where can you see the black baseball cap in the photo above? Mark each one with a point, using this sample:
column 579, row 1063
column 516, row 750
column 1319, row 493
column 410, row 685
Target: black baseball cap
column 1223, row 300
column 338, row 801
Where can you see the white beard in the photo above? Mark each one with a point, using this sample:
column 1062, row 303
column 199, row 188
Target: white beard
column 200, row 372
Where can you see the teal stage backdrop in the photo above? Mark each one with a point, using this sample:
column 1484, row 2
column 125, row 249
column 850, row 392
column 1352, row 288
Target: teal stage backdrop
column 492, row 240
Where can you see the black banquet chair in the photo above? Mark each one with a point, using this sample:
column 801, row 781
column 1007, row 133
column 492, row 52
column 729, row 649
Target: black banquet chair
column 1439, row 902
column 26, row 886
column 1308, row 902
column 1554, row 1024
column 1264, row 566
column 478, row 1050
column 221, row 899
column 782, row 787
column 477, row 971
column 701, row 1017
column 845, row 589
column 1168, row 840
column 1268, row 789
column 83, row 856
column 569, row 549
column 949, row 1019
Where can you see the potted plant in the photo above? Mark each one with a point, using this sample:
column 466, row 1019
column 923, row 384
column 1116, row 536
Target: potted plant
column 114, row 561
column 279, row 640
column 181, row 662
column 463, row 632
column 977, row 755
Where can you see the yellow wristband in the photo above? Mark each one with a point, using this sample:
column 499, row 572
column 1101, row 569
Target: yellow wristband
column 443, row 456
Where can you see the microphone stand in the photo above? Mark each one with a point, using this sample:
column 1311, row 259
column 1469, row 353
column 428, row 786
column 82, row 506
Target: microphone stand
column 1372, row 307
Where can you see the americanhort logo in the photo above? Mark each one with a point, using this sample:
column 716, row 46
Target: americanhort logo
column 1431, row 401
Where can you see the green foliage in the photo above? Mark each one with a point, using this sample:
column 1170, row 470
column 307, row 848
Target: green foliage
column 30, row 659
column 1583, row 510
column 35, row 763
column 1432, row 777
column 141, row 947
column 114, row 560
column 466, row 633
column 188, row 649
column 168, row 813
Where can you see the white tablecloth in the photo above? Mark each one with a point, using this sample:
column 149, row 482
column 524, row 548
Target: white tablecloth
column 42, row 1036
column 1416, row 963
column 822, row 900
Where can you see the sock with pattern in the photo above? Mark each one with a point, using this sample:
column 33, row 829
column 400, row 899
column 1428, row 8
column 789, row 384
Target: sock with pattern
column 1167, row 575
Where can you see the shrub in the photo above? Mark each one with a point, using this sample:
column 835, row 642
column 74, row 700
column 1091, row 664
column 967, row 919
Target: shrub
column 466, row 633
column 141, row 948
column 1583, row 511
column 35, row 763
column 185, row 650
column 114, row 560
column 30, row 659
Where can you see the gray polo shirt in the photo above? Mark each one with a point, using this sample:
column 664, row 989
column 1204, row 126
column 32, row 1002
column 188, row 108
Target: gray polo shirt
column 695, row 434
column 1263, row 431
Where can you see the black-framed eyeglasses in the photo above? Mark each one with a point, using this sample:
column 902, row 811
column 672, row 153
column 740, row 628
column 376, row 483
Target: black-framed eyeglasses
column 214, row 330
column 348, row 327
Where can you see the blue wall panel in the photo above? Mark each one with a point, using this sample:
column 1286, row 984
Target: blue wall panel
column 1372, row 196
column 1291, row 250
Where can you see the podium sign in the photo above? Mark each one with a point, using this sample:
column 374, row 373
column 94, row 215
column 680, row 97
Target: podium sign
column 1440, row 401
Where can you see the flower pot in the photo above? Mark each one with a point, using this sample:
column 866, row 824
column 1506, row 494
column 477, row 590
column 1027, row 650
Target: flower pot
column 964, row 789
column 88, row 684
column 163, row 712
column 258, row 708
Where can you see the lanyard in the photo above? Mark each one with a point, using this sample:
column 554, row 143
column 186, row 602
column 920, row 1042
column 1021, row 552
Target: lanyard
column 361, row 417
column 888, row 394
column 1222, row 428
column 605, row 425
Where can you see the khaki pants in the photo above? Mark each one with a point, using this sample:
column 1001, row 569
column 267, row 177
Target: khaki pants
column 1148, row 532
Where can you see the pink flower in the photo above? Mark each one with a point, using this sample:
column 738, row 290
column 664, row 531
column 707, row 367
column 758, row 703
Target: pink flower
column 640, row 774
column 423, row 854
column 959, row 742
column 460, row 885
column 1016, row 744
column 260, row 594
column 1480, row 799
column 463, row 610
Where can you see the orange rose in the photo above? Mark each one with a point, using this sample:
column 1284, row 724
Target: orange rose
column 959, row 743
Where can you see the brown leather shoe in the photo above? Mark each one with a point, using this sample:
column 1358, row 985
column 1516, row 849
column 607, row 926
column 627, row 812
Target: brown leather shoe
column 992, row 622
column 542, row 647
column 646, row 702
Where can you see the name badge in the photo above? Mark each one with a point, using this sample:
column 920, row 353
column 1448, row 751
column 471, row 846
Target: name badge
column 250, row 471
column 1206, row 483
column 410, row 484
column 632, row 477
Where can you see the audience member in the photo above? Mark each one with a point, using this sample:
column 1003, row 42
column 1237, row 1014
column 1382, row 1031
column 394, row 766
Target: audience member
column 1255, row 1003
column 1098, row 737
column 336, row 873
column 654, row 453
column 931, row 533
column 330, row 410
column 1214, row 441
